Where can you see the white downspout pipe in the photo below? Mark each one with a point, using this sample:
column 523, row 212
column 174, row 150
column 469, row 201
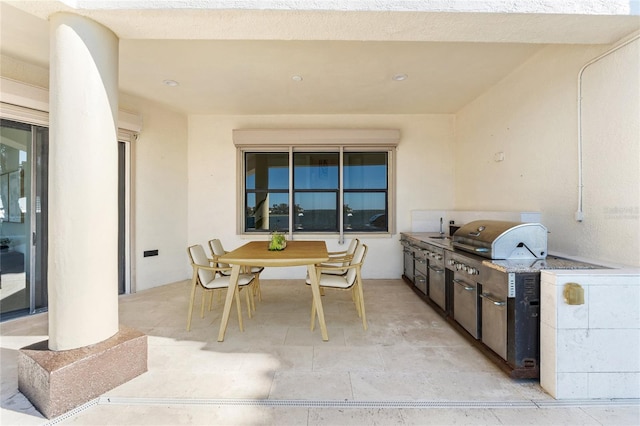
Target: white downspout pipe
column 579, row 215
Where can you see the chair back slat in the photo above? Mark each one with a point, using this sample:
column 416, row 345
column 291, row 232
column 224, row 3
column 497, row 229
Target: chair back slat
column 351, row 249
column 199, row 257
column 358, row 257
column 352, row 246
column 218, row 250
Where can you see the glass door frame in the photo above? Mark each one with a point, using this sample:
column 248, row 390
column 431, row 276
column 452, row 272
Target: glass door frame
column 124, row 212
column 38, row 236
column 37, row 168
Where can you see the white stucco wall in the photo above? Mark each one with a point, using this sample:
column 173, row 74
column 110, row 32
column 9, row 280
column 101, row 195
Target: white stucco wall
column 424, row 177
column 159, row 187
column 159, row 179
column 531, row 116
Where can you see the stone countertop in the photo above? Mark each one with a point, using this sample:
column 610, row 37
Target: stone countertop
column 537, row 265
column 515, row 265
column 431, row 238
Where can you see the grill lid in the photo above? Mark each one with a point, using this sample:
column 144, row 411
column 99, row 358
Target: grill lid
column 496, row 239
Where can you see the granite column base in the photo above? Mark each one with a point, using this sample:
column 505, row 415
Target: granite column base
column 58, row 381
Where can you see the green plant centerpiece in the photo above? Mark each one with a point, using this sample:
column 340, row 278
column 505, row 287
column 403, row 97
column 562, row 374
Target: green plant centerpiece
column 278, row 241
column 5, row 243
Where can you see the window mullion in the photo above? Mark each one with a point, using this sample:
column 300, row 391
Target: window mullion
column 291, row 205
column 341, row 196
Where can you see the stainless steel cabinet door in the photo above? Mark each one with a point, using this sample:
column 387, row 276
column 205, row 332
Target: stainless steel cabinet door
column 437, row 286
column 465, row 306
column 494, row 323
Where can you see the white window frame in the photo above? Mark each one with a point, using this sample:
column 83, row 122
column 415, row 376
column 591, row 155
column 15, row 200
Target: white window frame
column 317, row 140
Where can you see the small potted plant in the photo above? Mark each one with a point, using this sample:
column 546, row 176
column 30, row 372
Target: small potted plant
column 278, row 241
column 5, row 244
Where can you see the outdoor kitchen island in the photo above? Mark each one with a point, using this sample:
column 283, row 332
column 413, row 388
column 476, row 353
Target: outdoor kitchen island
column 494, row 303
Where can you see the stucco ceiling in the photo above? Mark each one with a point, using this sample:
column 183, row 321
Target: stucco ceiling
column 242, row 61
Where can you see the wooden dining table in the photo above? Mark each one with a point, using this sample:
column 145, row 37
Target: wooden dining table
column 256, row 253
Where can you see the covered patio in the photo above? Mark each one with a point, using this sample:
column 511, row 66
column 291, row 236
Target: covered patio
column 409, row 368
column 495, row 111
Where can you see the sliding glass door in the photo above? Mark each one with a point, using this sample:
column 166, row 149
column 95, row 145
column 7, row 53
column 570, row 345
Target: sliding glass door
column 24, row 159
column 124, row 285
column 23, row 220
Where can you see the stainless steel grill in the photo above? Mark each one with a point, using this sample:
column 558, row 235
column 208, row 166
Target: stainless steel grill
column 507, row 305
column 496, row 239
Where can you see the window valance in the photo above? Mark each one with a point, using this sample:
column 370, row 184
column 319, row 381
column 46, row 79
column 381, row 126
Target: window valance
column 368, row 137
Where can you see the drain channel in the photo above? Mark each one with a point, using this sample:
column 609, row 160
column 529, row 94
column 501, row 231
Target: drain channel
column 111, row 400
column 367, row 404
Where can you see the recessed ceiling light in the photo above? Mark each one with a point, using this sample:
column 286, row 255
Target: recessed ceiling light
column 399, row 77
column 296, row 78
column 171, row 83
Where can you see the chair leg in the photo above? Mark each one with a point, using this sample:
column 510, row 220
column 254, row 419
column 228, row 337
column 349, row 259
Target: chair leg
column 239, row 310
column 194, row 284
column 356, row 300
column 313, row 314
column 257, row 291
column 211, row 293
column 204, row 292
column 249, row 297
column 361, row 300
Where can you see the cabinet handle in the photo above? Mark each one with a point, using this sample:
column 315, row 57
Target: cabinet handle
column 492, row 300
column 463, row 284
column 436, row 270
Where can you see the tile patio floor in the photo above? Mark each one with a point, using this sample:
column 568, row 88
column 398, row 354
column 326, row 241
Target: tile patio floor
column 409, row 368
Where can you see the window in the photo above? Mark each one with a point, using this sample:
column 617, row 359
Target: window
column 316, row 191
column 332, row 181
column 366, row 191
column 266, row 186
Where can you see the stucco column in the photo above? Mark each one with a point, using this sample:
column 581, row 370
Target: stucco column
column 83, row 183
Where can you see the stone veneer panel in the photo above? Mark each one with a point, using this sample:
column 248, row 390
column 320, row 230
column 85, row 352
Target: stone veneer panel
column 58, row 381
column 591, row 351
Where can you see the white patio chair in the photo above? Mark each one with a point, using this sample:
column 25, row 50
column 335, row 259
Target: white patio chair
column 351, row 280
column 341, row 258
column 218, row 250
column 209, row 277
